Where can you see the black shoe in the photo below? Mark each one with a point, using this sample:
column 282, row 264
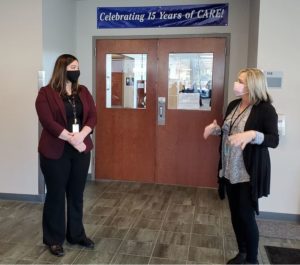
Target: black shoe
column 57, row 250
column 240, row 258
column 86, row 242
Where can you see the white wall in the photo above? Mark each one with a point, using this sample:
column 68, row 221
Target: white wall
column 278, row 49
column 59, row 21
column 253, row 33
column 21, row 58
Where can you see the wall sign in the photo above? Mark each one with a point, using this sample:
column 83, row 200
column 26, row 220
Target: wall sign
column 163, row 16
column 274, row 78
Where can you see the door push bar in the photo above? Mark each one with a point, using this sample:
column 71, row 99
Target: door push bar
column 161, row 111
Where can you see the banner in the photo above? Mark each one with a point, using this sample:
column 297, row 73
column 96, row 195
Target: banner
column 163, row 16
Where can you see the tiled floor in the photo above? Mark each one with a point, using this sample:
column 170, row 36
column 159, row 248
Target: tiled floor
column 138, row 224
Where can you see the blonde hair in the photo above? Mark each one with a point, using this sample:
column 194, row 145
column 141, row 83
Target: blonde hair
column 257, row 85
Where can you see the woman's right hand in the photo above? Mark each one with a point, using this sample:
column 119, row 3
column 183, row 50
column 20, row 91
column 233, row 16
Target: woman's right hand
column 209, row 129
column 65, row 135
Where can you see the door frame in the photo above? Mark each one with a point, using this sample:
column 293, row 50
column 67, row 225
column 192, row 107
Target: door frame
column 226, row 36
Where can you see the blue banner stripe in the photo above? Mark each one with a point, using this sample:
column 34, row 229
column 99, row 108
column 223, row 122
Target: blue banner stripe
column 163, row 16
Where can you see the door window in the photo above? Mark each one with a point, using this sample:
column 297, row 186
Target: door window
column 126, row 80
column 190, row 81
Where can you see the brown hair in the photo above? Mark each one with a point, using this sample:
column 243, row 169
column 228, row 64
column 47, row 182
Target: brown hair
column 59, row 76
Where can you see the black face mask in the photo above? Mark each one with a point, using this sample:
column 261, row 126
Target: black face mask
column 73, row 75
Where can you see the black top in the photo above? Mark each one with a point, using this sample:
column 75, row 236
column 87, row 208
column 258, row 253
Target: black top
column 69, row 102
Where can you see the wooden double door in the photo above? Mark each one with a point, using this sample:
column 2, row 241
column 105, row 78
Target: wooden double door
column 131, row 145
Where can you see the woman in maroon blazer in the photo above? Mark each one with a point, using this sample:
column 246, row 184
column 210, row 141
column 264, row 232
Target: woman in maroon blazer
column 67, row 113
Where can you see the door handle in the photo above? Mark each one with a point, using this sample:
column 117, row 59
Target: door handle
column 161, row 111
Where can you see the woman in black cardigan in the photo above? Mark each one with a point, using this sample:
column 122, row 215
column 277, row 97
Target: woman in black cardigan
column 249, row 128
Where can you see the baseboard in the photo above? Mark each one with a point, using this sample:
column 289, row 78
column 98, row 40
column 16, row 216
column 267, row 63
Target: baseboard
column 279, row 216
column 89, row 177
column 22, row 197
column 28, row 197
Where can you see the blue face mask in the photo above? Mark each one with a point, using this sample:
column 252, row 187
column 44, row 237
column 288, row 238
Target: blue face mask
column 73, row 76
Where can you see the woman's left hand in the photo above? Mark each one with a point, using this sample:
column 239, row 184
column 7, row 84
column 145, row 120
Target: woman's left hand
column 242, row 139
column 80, row 147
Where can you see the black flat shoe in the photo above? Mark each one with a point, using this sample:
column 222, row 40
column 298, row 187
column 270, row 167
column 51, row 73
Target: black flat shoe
column 240, row 258
column 56, row 250
column 87, row 243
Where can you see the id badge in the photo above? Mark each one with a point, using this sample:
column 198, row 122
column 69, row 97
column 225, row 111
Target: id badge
column 226, row 147
column 75, row 128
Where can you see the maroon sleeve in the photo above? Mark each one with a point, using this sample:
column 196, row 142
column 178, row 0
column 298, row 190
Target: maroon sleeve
column 45, row 114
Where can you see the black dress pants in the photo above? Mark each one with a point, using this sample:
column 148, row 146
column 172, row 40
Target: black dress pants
column 65, row 178
column 243, row 219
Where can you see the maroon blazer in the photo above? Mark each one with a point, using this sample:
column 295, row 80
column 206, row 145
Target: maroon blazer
column 52, row 115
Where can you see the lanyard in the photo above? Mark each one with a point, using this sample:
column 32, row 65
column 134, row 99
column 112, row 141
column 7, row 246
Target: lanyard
column 232, row 122
column 73, row 104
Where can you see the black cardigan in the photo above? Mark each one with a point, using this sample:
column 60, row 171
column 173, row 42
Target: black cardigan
column 263, row 118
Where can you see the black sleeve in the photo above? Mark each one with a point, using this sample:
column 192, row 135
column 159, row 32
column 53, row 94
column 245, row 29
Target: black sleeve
column 270, row 127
